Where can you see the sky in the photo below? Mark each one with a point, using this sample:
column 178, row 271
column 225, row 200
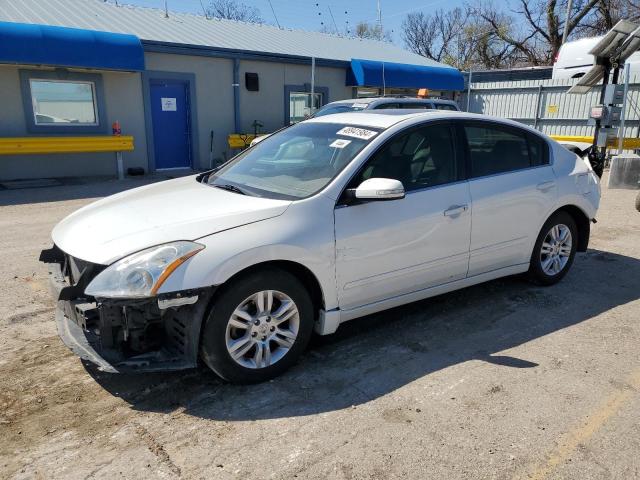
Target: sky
column 308, row 14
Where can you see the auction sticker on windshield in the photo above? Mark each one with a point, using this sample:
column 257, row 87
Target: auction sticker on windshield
column 340, row 143
column 355, row 132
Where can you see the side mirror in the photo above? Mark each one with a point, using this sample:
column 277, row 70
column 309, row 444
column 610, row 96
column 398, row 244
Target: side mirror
column 380, row 189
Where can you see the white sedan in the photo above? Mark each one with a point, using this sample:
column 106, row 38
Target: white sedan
column 331, row 219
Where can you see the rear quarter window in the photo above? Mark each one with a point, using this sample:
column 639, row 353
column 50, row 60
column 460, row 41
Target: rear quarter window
column 538, row 150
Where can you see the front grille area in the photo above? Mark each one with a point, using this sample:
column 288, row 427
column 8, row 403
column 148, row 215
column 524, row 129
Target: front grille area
column 79, row 273
column 127, row 334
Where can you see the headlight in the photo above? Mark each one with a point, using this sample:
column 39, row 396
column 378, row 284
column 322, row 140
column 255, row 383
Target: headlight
column 140, row 275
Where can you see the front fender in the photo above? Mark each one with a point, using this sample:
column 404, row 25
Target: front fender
column 297, row 236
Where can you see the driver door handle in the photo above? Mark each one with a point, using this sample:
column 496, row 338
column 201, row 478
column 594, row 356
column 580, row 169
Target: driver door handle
column 455, row 210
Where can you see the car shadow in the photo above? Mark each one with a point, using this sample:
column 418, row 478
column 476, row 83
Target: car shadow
column 375, row 355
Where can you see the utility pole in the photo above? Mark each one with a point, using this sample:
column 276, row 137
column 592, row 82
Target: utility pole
column 379, row 17
column 166, row 9
column 565, row 34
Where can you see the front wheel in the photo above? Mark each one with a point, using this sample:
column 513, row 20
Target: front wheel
column 258, row 327
column 554, row 250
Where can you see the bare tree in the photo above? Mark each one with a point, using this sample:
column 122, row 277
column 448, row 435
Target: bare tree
column 372, row 32
column 457, row 38
column 439, row 35
column 537, row 34
column 233, row 10
column 606, row 14
column 487, row 36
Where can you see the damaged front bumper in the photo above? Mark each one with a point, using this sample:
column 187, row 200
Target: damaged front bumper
column 142, row 335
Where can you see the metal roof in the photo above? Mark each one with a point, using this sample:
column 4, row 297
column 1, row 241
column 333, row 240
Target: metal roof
column 150, row 24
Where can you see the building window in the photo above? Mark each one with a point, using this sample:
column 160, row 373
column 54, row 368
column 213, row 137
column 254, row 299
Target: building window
column 62, row 101
column 301, row 105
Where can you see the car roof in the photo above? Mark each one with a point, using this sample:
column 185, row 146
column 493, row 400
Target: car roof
column 369, row 100
column 387, row 118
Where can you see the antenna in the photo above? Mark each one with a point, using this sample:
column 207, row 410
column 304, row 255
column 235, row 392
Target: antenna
column 274, row 14
column 204, row 10
column 333, row 19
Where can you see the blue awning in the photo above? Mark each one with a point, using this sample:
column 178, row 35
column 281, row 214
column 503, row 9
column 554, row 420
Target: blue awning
column 27, row 44
column 369, row 73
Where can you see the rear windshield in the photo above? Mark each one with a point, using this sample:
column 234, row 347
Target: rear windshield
column 339, row 108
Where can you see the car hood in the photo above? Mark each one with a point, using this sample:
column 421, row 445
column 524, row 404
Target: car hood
column 180, row 209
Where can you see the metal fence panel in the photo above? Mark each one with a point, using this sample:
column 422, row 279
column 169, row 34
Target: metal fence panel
column 545, row 105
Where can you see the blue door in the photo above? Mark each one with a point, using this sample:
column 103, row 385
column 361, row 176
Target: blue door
column 170, row 115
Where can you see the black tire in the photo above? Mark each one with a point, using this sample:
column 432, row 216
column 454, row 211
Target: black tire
column 536, row 272
column 213, row 345
column 638, row 202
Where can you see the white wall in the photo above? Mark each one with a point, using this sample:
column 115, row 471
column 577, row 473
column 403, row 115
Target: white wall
column 267, row 105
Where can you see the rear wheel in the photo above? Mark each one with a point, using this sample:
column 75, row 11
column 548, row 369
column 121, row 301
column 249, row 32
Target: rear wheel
column 258, row 327
column 554, row 249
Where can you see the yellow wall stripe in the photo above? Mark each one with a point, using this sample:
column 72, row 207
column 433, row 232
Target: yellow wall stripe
column 43, row 145
column 628, row 144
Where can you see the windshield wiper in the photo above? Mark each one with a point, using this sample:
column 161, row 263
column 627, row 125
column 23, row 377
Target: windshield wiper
column 230, row 188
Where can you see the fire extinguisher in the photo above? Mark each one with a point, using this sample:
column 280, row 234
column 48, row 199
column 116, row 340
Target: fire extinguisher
column 115, row 128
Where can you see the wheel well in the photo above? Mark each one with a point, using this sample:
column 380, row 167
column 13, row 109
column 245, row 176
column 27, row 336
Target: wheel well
column 582, row 224
column 302, row 273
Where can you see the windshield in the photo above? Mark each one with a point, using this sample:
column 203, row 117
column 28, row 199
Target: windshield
column 294, row 163
column 340, row 108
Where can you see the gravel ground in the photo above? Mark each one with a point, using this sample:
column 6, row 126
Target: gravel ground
column 502, row 380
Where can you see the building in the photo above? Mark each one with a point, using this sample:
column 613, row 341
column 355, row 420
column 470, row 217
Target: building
column 179, row 84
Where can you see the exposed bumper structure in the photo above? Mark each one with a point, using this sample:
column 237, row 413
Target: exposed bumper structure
column 156, row 334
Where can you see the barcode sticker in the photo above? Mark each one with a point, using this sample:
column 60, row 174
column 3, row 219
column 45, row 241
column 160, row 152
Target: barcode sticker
column 356, row 132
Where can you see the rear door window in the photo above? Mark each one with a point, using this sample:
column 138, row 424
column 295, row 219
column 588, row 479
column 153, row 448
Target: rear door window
column 496, row 149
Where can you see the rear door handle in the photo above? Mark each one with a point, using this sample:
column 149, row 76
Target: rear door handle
column 544, row 186
column 455, row 210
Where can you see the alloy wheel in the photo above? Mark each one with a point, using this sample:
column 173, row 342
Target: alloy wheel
column 556, row 249
column 262, row 329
